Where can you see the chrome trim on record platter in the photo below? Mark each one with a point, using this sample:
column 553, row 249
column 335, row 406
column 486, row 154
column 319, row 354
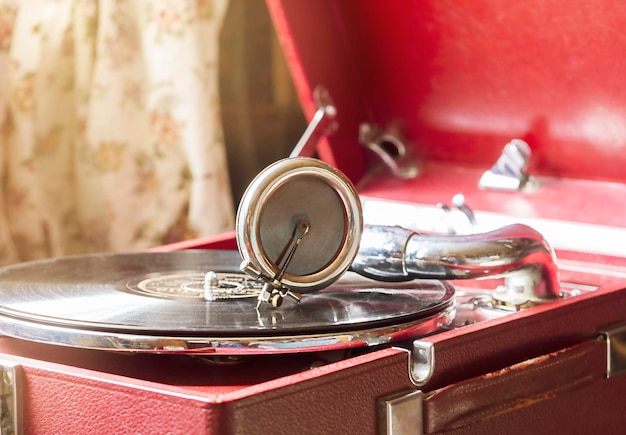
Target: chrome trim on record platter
column 93, row 301
column 207, row 345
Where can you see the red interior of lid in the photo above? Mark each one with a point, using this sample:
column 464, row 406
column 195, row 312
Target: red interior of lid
column 462, row 78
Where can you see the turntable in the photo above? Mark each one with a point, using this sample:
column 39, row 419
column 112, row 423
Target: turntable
column 414, row 269
column 316, row 290
column 299, row 230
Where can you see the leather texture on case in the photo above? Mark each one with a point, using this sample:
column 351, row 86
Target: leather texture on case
column 65, row 403
column 521, row 385
column 334, row 398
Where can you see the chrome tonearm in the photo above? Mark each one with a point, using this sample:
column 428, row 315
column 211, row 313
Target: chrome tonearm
column 299, row 189
column 517, row 252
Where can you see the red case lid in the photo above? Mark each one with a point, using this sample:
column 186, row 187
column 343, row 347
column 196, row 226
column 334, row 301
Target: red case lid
column 462, row 78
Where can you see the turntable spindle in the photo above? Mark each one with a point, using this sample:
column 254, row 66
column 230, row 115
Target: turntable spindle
column 211, row 283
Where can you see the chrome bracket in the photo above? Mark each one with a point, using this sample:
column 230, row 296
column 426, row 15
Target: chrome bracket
column 401, row 414
column 10, row 398
column 518, row 291
column 458, row 202
column 390, row 148
column 422, row 362
column 322, row 123
column 509, row 171
column 616, row 350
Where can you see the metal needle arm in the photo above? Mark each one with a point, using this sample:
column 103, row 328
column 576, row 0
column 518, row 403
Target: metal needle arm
column 300, row 230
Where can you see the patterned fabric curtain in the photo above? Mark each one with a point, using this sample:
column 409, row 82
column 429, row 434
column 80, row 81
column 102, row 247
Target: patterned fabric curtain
column 110, row 132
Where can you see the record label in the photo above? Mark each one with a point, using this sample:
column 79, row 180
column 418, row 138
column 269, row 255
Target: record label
column 191, row 286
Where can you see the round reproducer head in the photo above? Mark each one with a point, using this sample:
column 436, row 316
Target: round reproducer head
column 286, row 196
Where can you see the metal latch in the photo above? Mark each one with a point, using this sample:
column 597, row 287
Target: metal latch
column 402, row 414
column 422, row 362
column 10, row 398
column 616, row 350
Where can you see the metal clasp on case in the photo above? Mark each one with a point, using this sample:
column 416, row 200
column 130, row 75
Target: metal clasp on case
column 10, row 398
column 422, row 363
column 401, row 414
column 616, row 350
column 509, row 171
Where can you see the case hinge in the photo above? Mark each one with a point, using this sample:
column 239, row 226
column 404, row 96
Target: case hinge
column 10, row 398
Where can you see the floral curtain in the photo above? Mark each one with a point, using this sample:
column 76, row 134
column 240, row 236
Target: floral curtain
column 110, row 132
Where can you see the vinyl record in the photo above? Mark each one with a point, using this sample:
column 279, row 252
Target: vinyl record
column 158, row 302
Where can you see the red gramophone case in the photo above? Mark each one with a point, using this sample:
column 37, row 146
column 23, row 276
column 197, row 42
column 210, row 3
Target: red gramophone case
column 448, row 117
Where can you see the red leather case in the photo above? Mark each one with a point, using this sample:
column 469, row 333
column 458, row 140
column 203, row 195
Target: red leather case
column 457, row 80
